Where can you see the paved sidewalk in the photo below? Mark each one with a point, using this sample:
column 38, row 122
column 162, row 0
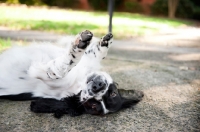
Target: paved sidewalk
column 169, row 75
column 28, row 35
column 178, row 37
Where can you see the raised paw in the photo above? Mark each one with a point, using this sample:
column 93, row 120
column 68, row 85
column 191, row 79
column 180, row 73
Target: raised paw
column 83, row 39
column 99, row 49
column 106, row 40
column 58, row 67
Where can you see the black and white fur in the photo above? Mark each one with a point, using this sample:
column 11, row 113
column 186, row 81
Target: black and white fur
column 58, row 74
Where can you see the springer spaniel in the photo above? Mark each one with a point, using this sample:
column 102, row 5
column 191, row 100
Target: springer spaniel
column 62, row 80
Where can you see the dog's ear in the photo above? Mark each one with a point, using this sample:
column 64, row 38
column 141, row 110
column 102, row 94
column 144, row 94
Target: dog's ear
column 116, row 84
column 130, row 97
column 127, row 103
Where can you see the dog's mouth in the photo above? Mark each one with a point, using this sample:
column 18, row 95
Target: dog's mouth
column 92, row 106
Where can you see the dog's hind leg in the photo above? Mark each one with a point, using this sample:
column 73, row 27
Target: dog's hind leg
column 59, row 67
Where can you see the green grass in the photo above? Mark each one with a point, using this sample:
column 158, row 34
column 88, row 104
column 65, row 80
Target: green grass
column 7, row 43
column 71, row 22
column 4, row 44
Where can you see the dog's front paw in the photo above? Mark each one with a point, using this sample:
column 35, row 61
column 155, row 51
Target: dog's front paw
column 106, row 40
column 58, row 114
column 83, row 39
column 74, row 113
column 34, row 108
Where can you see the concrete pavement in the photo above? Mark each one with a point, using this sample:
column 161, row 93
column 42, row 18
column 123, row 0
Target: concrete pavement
column 169, row 75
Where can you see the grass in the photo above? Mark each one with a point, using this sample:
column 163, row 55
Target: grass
column 4, row 44
column 7, row 43
column 71, row 22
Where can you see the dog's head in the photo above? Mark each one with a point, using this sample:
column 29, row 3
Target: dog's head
column 101, row 95
column 95, row 85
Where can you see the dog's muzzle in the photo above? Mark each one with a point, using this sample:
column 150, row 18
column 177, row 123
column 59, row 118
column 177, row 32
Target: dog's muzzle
column 98, row 85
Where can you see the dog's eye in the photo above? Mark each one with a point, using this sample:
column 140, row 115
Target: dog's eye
column 113, row 94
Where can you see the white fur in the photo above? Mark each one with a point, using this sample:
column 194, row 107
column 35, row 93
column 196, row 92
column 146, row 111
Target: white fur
column 25, row 69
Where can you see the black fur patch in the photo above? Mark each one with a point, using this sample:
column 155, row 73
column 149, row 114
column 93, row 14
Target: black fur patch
column 98, row 48
column 19, row 97
column 117, row 102
column 82, row 45
column 103, row 44
column 73, row 56
column 70, row 105
column 90, row 51
column 71, row 62
column 21, row 78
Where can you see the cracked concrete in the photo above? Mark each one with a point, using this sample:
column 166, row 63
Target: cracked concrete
column 169, row 75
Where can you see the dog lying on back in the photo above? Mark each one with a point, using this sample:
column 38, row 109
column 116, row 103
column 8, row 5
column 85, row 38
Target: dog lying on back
column 63, row 80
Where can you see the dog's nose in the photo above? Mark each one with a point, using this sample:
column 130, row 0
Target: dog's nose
column 98, row 86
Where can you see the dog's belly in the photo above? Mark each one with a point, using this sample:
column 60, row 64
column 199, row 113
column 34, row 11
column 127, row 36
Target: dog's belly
column 14, row 65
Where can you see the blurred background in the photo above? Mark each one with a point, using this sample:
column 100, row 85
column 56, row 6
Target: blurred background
column 131, row 18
